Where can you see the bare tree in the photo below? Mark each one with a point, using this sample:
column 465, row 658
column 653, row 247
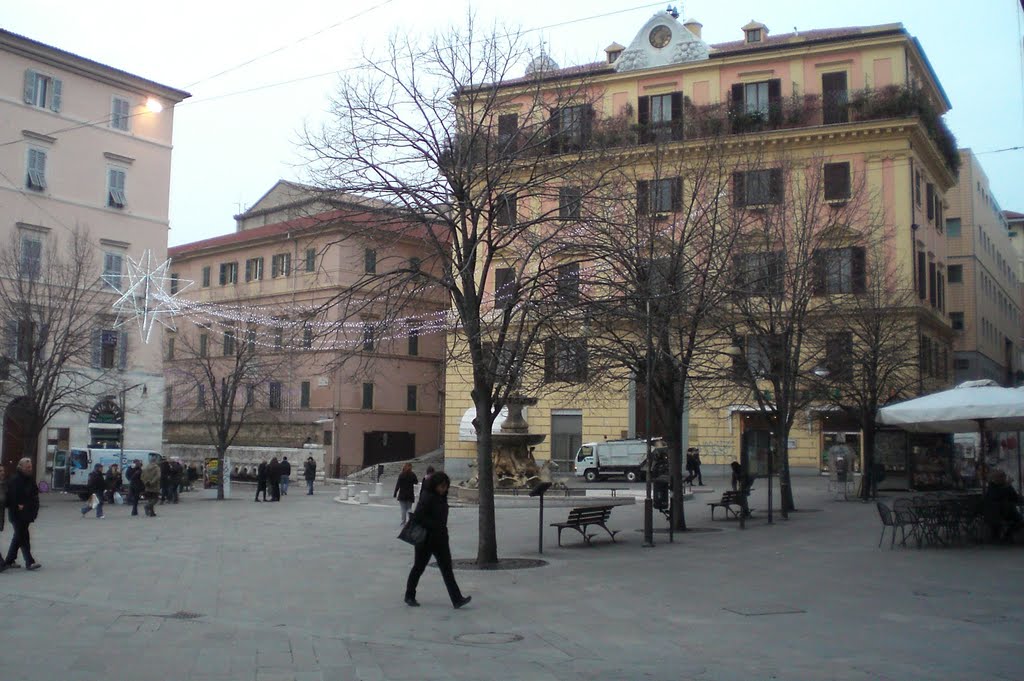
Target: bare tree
column 658, row 278
column 801, row 211
column 50, row 298
column 223, row 366
column 470, row 157
column 871, row 348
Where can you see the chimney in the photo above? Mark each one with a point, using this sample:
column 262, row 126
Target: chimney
column 693, row 26
column 613, row 51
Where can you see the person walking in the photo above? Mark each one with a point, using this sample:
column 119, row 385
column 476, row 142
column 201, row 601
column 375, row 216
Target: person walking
column 426, row 476
column 404, row 490
column 261, row 481
column 97, row 485
column 286, row 474
column 165, row 481
column 135, row 485
column 432, row 514
column 151, row 477
column 274, row 479
column 696, row 467
column 309, row 473
column 114, row 481
column 3, row 496
column 689, row 468
column 22, row 509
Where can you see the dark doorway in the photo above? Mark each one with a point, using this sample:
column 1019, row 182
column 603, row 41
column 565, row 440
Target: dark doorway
column 16, row 418
column 566, row 438
column 383, row 446
column 756, row 444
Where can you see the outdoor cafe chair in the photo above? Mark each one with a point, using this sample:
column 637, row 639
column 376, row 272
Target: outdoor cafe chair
column 906, row 517
column 888, row 520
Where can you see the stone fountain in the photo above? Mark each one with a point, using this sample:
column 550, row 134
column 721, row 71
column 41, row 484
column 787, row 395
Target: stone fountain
column 512, row 451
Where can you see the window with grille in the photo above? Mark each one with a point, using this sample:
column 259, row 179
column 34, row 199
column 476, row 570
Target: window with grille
column 275, row 393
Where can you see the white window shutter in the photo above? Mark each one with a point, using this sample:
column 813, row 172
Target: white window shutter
column 56, row 94
column 30, row 86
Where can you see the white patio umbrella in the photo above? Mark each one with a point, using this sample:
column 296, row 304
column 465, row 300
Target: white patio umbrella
column 970, row 406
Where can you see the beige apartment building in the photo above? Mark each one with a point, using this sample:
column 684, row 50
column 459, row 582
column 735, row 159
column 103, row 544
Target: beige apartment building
column 1015, row 224
column 985, row 284
column 86, row 146
column 366, row 396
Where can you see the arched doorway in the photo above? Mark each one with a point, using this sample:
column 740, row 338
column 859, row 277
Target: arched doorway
column 15, row 447
column 105, row 422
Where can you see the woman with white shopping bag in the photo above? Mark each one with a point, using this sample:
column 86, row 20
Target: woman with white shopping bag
column 98, row 486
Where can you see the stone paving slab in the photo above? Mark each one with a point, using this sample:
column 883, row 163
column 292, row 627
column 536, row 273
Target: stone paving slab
column 310, row 589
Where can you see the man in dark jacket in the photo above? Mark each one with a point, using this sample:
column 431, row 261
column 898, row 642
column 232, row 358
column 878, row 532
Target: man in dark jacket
column 22, row 509
column 261, row 481
column 286, row 474
column 135, row 485
column 274, row 478
column 309, row 473
column 97, row 486
column 165, row 481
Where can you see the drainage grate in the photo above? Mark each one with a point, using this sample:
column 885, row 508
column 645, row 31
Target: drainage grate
column 488, row 638
column 503, row 564
column 758, row 611
column 184, row 615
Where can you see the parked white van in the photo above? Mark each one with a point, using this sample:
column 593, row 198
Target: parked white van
column 628, row 458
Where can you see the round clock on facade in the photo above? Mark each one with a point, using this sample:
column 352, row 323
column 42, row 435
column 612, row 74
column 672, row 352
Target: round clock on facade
column 660, row 35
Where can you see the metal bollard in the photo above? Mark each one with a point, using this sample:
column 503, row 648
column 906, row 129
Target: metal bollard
column 343, row 493
column 378, row 489
column 364, row 496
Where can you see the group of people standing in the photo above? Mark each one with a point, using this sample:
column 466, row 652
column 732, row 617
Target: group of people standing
column 147, row 483
column 276, row 476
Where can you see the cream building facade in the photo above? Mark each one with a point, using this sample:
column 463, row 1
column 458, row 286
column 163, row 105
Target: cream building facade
column 901, row 159
column 88, row 146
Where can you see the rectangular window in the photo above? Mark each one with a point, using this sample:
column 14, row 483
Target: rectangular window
column 120, row 110
column 414, row 342
column 250, row 395
column 307, row 338
column 370, row 261
column 565, row 360
column 837, row 181
column 228, row 273
column 956, row 320
column 304, row 394
column 570, row 128
column 21, row 342
column 834, row 98
column 175, row 279
column 569, row 199
column 655, row 197
column 567, row 284
column 410, row 398
column 367, row 396
column 169, row 396
column 940, row 295
column 961, row 364
column 505, row 209
column 754, row 104
column 759, row 274
column 113, row 268
column 839, row 270
column 922, row 275
column 254, row 269
column 755, row 98
column 250, row 340
column 281, row 265
column 109, row 341
column 42, row 91
column 229, row 342
column 660, row 117
column 275, row 392
column 115, row 188
column 932, row 285
column 311, row 260
column 757, row 187
column 930, row 200
column 368, row 339
column 504, row 286
column 278, row 338
column 508, row 130
column 201, row 397
column 839, row 355
column 36, row 175
column 170, row 348
column 206, row 276
column 763, row 354
column 204, row 342
column 953, row 228
column 30, row 260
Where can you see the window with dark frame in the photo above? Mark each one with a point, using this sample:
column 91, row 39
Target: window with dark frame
column 569, row 200
column 169, row 396
column 565, row 360
column 229, row 342
column 30, row 257
column 660, row 117
column 369, row 261
column 952, row 229
column 36, row 171
column 369, row 341
column 834, row 96
column 932, row 285
column 505, row 210
column 837, row 181
column 201, row 396
column 922, row 275
column 956, row 320
column 757, row 187
column 204, row 341
column 754, row 104
column 410, row 397
column 307, row 337
column 206, row 276
column 508, row 130
column 414, row 342
column 839, row 270
column 304, row 394
column 657, row 197
column 254, row 269
column 281, row 265
column 367, row 396
column 170, row 347
column 311, row 260
column 274, row 394
column 228, row 273
column 115, row 188
column 570, row 128
column 759, row 274
column 567, row 283
column 930, row 200
column 174, row 283
column 839, row 355
column 504, row 286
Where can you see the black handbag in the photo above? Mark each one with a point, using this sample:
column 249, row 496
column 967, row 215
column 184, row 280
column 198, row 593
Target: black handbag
column 413, row 533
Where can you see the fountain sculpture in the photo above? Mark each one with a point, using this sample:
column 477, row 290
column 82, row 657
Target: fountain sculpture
column 512, row 451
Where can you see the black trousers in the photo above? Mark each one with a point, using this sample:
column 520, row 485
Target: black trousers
column 275, row 490
column 440, row 550
column 20, row 540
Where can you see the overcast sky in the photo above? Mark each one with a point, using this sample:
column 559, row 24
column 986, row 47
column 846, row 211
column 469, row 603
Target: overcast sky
column 238, row 134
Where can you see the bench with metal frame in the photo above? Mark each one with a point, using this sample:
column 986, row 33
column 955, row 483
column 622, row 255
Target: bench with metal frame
column 581, row 518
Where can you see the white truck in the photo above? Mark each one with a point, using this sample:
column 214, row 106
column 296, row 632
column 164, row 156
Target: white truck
column 627, row 458
column 71, row 468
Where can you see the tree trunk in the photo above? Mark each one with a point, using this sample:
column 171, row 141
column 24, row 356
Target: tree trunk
column 867, row 472
column 785, row 487
column 220, row 473
column 487, row 541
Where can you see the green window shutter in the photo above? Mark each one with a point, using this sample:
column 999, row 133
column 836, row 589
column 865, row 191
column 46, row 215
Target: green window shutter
column 55, row 96
column 30, row 86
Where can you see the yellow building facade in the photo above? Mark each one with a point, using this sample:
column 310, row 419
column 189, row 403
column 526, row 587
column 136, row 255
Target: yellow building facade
column 838, row 96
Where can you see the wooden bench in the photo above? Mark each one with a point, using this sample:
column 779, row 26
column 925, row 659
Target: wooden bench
column 731, row 501
column 581, row 518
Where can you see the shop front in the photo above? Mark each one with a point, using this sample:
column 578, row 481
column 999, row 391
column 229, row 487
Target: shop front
column 917, row 461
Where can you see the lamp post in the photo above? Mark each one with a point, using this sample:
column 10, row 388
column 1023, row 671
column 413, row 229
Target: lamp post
column 648, row 499
column 121, row 404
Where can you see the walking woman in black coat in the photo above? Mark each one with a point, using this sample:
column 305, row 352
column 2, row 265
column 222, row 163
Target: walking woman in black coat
column 432, row 513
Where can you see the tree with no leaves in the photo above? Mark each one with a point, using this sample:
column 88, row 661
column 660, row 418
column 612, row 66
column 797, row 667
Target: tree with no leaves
column 470, row 157
column 51, row 295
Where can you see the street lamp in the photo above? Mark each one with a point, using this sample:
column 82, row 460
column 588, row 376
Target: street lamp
column 648, row 498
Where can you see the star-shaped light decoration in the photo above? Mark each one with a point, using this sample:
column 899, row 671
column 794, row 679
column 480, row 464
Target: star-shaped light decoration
column 146, row 298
